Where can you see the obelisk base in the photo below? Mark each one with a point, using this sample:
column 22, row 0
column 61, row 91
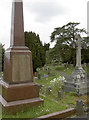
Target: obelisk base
column 16, row 97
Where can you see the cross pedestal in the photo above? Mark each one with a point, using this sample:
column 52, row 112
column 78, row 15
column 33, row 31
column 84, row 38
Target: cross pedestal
column 18, row 90
column 77, row 82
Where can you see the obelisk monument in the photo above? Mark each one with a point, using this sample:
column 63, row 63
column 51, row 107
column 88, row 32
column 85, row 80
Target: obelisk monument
column 18, row 89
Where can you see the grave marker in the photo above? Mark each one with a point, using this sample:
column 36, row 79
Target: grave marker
column 18, row 89
column 79, row 76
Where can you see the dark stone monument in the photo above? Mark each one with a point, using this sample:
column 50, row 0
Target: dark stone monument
column 18, row 89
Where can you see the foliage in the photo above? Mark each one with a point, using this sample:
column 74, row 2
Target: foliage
column 85, row 52
column 2, row 50
column 32, row 41
column 64, row 36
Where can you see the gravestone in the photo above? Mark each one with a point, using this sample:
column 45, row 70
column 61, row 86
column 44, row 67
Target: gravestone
column 60, row 94
column 71, row 65
column 49, row 72
column 48, row 90
column 45, row 75
column 18, row 89
column 40, row 85
column 63, row 65
column 88, row 64
column 39, row 76
column 79, row 107
column 77, row 82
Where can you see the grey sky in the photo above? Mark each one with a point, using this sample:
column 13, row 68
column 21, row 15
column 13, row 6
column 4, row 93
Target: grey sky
column 45, row 11
column 42, row 16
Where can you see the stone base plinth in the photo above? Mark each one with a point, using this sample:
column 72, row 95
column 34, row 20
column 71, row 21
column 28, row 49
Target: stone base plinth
column 77, row 82
column 16, row 106
column 15, row 97
column 76, row 88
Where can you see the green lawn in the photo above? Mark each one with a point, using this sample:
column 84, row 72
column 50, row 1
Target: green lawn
column 48, row 107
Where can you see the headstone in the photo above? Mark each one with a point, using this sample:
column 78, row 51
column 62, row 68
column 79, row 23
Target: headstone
column 78, row 79
column 79, row 107
column 35, row 74
column 18, row 86
column 88, row 64
column 45, row 76
column 63, row 65
column 39, row 76
column 60, row 94
column 40, row 85
column 48, row 90
column 49, row 72
column 85, row 65
column 71, row 65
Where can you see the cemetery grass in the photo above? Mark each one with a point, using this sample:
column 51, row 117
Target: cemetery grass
column 51, row 101
column 48, row 107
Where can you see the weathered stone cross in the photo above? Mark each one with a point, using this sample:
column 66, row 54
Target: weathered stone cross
column 78, row 51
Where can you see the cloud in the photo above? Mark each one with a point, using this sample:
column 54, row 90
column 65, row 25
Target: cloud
column 45, row 11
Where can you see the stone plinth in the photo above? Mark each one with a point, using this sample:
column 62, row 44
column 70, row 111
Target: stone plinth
column 18, row 65
column 19, row 96
column 77, row 82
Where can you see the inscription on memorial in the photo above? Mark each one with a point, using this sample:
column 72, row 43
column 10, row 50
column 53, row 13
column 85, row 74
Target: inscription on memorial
column 21, row 69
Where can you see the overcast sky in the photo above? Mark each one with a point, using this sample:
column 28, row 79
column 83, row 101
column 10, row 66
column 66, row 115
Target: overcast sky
column 42, row 16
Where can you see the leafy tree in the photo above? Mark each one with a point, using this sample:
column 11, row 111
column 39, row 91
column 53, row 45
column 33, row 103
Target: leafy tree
column 32, row 41
column 2, row 50
column 64, row 36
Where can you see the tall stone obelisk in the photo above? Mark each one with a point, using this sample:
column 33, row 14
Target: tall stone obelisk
column 18, row 89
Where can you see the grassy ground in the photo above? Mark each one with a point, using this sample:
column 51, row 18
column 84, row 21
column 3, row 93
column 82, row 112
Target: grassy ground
column 51, row 101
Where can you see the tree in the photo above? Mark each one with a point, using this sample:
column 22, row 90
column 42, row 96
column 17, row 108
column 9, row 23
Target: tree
column 2, row 50
column 32, row 41
column 64, row 36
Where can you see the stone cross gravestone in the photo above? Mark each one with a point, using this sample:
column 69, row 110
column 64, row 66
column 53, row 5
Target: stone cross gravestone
column 18, row 89
column 77, row 82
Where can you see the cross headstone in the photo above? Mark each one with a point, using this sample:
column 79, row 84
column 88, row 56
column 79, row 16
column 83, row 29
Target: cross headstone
column 78, row 78
column 78, row 51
